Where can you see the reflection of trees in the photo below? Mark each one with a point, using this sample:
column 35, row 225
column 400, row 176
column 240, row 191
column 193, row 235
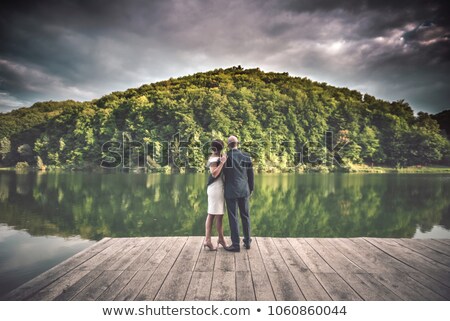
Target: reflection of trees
column 445, row 220
column 349, row 205
column 97, row 205
column 342, row 205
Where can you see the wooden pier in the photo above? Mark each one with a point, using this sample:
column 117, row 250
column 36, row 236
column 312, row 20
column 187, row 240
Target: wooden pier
column 178, row 268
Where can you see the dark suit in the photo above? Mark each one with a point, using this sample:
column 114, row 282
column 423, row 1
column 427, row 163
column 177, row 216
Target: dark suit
column 238, row 172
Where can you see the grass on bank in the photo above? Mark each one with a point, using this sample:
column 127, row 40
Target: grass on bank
column 408, row 169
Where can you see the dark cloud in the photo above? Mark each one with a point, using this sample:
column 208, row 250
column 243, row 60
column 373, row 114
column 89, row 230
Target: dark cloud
column 84, row 49
column 411, row 8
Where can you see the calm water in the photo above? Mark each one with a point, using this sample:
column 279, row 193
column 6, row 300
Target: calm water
column 47, row 217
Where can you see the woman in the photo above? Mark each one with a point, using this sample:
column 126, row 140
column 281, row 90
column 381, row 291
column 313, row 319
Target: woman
column 216, row 199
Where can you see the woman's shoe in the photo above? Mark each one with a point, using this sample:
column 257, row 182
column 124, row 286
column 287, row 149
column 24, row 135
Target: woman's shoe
column 221, row 242
column 209, row 246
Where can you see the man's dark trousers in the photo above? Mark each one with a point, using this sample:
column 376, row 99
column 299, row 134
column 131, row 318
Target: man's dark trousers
column 244, row 209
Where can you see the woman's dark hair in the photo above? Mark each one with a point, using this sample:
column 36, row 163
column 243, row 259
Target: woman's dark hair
column 217, row 146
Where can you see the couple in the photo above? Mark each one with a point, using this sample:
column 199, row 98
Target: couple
column 231, row 181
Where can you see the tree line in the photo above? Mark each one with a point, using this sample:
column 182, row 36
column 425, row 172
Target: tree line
column 284, row 122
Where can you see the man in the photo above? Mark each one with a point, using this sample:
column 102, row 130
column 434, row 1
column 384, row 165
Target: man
column 238, row 172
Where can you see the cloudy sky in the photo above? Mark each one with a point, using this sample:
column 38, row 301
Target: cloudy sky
column 75, row 49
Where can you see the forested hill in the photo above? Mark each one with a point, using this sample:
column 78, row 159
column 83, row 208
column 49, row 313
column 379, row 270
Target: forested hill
column 443, row 119
column 281, row 120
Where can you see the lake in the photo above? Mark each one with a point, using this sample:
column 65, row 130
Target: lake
column 47, row 217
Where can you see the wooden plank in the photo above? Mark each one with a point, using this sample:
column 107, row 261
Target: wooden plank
column 261, row 283
column 434, row 245
column 368, row 260
column 41, row 281
column 311, row 258
column 134, row 286
column 307, row 282
column 161, row 253
column 225, row 261
column 200, row 286
column 223, row 286
column 283, row 283
column 443, row 241
column 241, row 261
column 368, row 288
column 97, row 287
column 177, row 281
column 337, row 288
column 119, row 283
column 406, row 287
column 425, row 251
column 137, row 248
column 78, row 286
column 108, row 253
column 187, row 258
column 205, row 262
column 335, row 259
column 385, row 292
column 384, row 260
column 153, row 246
column 432, row 284
column 146, row 270
column 151, row 288
column 61, row 285
column 410, row 257
column 244, row 286
column 419, row 262
column 116, row 256
column 174, row 287
column 244, row 282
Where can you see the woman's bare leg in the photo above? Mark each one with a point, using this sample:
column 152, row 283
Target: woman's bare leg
column 219, row 226
column 208, row 227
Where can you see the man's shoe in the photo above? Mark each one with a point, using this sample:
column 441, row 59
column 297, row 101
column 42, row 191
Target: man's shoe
column 247, row 246
column 233, row 248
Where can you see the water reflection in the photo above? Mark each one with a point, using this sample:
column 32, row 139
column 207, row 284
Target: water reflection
column 22, row 256
column 118, row 204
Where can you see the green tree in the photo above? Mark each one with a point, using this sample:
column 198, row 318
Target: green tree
column 280, row 120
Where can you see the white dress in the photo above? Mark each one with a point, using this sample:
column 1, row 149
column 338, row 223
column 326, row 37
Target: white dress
column 215, row 191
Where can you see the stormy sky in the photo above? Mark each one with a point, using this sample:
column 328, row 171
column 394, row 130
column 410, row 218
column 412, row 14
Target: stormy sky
column 61, row 49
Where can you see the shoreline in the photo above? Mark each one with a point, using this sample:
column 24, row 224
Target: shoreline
column 354, row 169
